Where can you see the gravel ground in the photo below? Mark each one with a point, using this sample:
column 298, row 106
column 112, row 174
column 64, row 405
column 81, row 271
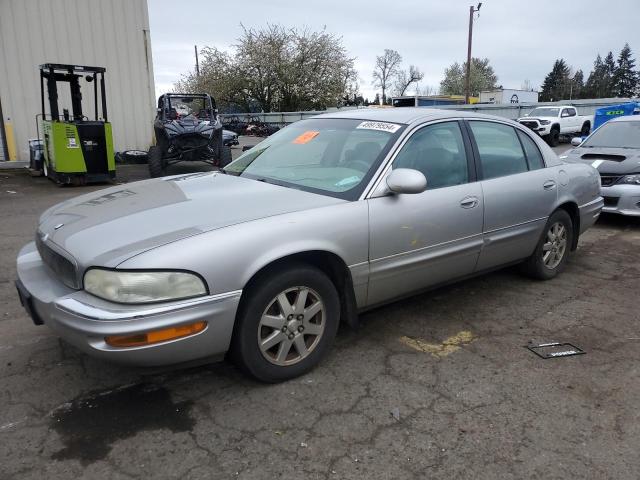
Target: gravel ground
column 435, row 386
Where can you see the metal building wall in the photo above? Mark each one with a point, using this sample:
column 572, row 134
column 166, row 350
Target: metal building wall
column 107, row 33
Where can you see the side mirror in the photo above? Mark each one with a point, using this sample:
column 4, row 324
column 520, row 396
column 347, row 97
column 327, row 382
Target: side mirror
column 406, row 180
column 576, row 141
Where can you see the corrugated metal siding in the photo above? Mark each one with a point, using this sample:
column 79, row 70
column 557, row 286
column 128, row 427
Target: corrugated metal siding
column 113, row 34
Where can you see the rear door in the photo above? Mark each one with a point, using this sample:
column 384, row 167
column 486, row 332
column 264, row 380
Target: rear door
column 420, row 240
column 519, row 191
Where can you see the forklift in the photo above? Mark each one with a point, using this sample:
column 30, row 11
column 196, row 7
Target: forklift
column 76, row 150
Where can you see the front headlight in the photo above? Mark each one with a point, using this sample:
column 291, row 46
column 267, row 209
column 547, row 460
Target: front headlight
column 545, row 122
column 633, row 179
column 141, row 286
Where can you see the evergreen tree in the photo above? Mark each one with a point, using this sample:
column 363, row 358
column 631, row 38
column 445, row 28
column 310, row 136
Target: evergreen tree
column 596, row 85
column 376, row 100
column 610, row 71
column 625, row 78
column 557, row 83
column 577, row 82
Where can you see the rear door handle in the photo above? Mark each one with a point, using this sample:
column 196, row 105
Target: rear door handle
column 549, row 185
column 469, row 202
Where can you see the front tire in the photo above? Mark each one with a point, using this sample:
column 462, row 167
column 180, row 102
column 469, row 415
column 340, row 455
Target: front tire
column 554, row 137
column 157, row 167
column 586, row 129
column 550, row 256
column 286, row 324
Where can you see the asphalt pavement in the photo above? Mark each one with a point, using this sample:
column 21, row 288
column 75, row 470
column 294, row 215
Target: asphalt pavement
column 436, row 386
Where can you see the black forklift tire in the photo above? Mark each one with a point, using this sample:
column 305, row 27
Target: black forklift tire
column 156, row 165
column 225, row 157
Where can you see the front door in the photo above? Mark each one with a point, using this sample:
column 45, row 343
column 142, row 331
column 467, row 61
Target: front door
column 420, row 240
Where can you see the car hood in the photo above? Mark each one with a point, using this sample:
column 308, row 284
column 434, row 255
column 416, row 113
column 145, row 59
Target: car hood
column 111, row 225
column 608, row 161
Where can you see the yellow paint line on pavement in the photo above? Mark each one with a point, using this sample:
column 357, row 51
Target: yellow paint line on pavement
column 450, row 345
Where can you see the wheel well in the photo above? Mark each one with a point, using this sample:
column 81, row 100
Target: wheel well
column 572, row 209
column 587, row 122
column 330, row 264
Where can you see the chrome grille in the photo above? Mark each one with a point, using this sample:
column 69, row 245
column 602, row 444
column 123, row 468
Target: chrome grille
column 61, row 266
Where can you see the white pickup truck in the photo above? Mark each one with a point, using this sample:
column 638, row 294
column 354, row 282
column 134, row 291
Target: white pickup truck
column 552, row 122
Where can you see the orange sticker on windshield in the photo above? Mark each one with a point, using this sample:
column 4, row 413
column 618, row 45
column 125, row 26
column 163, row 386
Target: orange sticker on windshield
column 306, row 137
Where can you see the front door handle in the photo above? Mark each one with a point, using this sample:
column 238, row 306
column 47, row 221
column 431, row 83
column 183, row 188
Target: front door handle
column 469, row 202
column 549, row 185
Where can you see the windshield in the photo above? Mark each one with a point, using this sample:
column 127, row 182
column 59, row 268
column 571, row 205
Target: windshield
column 330, row 156
column 615, row 135
column 544, row 112
column 184, row 106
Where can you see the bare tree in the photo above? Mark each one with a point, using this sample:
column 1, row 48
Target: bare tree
column 386, row 70
column 407, row 77
column 426, row 89
column 527, row 85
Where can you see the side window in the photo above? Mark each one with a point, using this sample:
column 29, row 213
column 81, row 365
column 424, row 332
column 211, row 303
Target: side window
column 438, row 152
column 500, row 150
column 534, row 157
column 571, row 112
column 565, row 113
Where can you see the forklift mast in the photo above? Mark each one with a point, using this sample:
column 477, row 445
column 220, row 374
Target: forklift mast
column 53, row 73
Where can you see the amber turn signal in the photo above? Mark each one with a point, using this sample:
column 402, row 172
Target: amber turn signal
column 155, row 336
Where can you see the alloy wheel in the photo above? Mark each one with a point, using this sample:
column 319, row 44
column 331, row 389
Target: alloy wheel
column 291, row 326
column 555, row 246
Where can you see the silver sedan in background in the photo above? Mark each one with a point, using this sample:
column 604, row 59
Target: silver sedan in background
column 614, row 150
column 328, row 217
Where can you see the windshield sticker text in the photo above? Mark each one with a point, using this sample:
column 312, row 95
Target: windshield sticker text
column 381, row 126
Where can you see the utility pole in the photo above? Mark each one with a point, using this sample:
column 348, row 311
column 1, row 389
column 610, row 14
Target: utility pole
column 195, row 47
column 467, row 79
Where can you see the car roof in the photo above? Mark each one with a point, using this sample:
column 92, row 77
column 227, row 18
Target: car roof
column 404, row 114
column 626, row 118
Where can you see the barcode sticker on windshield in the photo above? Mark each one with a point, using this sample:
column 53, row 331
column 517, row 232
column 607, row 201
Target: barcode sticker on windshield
column 381, row 126
column 306, row 137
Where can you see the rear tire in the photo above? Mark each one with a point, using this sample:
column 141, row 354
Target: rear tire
column 157, row 167
column 550, row 256
column 554, row 137
column 286, row 324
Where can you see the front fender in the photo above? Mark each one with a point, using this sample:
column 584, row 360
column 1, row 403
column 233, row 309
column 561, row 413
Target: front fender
column 229, row 257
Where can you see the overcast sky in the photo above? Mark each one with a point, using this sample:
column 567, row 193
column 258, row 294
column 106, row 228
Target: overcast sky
column 522, row 38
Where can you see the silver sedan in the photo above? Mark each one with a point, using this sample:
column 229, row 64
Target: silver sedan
column 328, row 217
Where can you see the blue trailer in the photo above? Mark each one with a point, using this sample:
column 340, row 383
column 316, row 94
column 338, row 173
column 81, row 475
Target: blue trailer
column 605, row 114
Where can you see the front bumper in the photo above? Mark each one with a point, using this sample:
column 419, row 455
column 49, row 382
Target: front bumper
column 84, row 320
column 622, row 199
column 539, row 129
